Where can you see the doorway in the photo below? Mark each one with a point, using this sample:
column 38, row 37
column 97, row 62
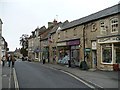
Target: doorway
column 94, row 59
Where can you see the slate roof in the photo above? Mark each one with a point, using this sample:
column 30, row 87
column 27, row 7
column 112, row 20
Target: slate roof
column 60, row 24
column 101, row 14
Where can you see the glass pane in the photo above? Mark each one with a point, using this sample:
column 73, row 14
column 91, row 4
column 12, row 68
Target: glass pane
column 107, row 53
column 117, row 47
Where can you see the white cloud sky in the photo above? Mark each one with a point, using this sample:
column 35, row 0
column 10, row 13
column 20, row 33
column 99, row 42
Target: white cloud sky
column 23, row 16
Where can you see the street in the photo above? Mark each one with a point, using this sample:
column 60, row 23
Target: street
column 36, row 75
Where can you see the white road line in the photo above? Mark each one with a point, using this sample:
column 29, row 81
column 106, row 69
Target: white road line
column 78, row 79
column 96, row 85
column 15, row 79
column 10, row 79
column 73, row 77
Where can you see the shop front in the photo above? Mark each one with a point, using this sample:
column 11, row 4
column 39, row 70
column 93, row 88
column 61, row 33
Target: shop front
column 110, row 52
column 45, row 54
column 74, row 51
column 62, row 49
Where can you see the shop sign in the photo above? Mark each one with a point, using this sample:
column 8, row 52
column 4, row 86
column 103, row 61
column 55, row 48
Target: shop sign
column 109, row 40
column 94, row 45
column 75, row 42
column 61, row 44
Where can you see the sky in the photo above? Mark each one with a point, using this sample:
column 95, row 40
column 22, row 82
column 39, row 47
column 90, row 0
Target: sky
column 24, row 16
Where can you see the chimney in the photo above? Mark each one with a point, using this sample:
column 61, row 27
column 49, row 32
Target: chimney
column 55, row 22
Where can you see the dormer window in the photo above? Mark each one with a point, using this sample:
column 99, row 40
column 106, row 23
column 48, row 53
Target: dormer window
column 114, row 25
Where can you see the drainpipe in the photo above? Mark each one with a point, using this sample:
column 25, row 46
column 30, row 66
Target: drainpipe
column 84, row 64
column 84, row 42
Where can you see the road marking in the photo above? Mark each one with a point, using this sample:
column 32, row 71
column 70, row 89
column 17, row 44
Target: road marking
column 71, row 76
column 10, row 79
column 78, row 79
column 15, row 79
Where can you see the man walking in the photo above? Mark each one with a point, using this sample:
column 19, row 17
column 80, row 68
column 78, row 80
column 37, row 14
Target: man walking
column 3, row 61
column 9, row 60
column 13, row 60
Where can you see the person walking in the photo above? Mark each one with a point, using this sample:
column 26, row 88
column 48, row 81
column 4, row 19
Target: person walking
column 9, row 60
column 13, row 61
column 3, row 61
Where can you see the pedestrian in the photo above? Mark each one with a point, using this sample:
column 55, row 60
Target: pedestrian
column 9, row 60
column 54, row 59
column 13, row 61
column 3, row 61
column 43, row 59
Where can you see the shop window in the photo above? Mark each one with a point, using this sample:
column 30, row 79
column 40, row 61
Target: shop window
column 107, row 53
column 37, row 55
column 117, row 53
column 114, row 25
column 75, row 53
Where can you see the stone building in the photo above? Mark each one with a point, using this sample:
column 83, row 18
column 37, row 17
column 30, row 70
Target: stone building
column 34, row 44
column 98, row 35
column 94, row 39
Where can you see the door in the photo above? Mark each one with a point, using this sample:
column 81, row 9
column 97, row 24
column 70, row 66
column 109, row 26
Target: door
column 94, row 59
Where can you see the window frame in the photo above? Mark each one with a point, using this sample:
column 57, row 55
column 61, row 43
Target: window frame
column 75, row 32
column 102, row 55
column 102, row 29
column 94, row 27
column 113, row 23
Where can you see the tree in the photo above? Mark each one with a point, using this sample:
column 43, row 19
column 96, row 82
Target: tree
column 24, row 41
column 24, row 44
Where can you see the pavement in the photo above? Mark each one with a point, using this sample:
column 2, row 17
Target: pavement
column 97, row 78
column 0, row 77
column 6, row 77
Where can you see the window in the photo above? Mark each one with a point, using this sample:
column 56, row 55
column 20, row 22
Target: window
column 66, row 34
column 94, row 27
column 107, row 53
column 117, row 52
column 103, row 28
column 37, row 54
column 58, row 35
column 74, row 32
column 114, row 25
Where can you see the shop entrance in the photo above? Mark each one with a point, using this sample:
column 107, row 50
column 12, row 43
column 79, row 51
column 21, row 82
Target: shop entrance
column 94, row 59
column 117, row 52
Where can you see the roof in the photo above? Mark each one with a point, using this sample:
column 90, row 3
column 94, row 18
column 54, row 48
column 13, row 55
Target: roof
column 60, row 24
column 46, row 34
column 101, row 14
